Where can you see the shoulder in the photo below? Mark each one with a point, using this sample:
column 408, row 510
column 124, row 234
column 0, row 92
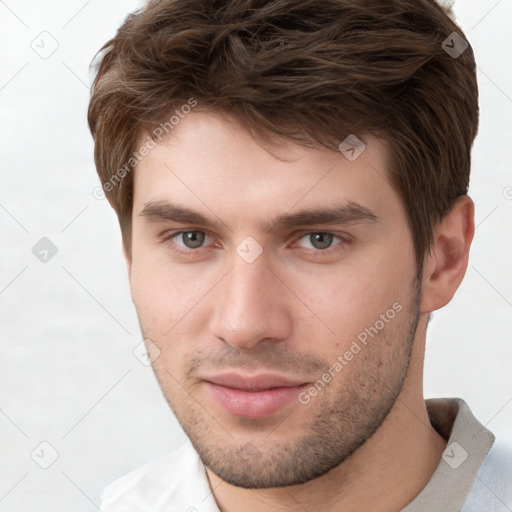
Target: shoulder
column 492, row 489
column 169, row 480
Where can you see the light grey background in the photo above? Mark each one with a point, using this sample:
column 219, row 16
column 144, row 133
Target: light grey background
column 68, row 376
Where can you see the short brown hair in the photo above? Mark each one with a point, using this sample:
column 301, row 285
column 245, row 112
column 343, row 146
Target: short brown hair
column 312, row 71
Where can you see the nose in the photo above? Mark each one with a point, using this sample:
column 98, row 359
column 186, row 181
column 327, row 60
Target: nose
column 251, row 305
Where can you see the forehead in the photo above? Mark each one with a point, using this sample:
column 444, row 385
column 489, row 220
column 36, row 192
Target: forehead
column 214, row 164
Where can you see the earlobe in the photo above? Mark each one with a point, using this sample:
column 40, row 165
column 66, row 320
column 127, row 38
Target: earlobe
column 446, row 265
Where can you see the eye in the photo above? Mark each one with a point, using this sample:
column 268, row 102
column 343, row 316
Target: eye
column 191, row 239
column 321, row 241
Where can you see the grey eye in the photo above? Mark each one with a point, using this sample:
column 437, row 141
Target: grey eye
column 192, row 239
column 321, row 240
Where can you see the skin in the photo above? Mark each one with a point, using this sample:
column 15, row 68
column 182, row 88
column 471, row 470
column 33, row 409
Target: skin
column 364, row 442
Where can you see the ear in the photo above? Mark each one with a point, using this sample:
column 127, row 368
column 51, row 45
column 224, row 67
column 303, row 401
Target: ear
column 447, row 262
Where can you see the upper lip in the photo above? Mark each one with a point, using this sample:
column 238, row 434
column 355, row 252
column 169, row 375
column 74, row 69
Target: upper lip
column 257, row 382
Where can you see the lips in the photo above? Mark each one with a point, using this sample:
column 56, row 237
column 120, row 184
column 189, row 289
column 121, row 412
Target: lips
column 253, row 383
column 253, row 396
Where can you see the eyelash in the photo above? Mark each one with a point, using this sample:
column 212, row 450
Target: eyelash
column 170, row 236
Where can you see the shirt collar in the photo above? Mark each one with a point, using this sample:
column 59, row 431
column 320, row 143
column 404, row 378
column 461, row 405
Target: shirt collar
column 468, row 444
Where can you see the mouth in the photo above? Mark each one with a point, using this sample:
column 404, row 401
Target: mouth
column 253, row 396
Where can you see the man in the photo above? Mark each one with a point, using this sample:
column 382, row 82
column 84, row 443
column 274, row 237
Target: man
column 290, row 179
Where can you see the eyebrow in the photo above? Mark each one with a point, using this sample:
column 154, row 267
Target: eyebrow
column 350, row 213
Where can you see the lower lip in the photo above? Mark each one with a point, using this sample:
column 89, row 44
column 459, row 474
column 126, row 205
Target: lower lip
column 254, row 404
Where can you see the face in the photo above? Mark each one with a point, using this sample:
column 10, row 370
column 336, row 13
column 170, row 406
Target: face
column 281, row 336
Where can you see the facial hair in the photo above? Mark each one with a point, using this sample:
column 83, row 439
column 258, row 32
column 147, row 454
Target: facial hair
column 347, row 412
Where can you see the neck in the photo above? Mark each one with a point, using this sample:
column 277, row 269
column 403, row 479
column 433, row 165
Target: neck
column 385, row 474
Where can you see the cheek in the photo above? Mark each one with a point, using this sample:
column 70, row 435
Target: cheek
column 175, row 303
column 168, row 298
column 345, row 300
